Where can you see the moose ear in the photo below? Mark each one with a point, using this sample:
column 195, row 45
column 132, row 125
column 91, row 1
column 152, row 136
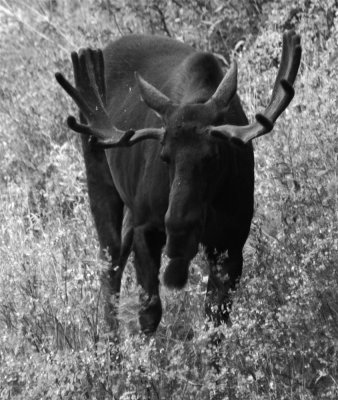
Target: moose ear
column 226, row 89
column 154, row 98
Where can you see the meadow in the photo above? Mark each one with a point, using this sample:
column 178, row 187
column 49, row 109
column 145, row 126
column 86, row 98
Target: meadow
column 283, row 340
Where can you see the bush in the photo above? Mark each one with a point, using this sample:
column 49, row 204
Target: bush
column 283, row 340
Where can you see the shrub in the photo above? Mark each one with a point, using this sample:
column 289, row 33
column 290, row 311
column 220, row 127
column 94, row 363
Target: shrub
column 283, row 340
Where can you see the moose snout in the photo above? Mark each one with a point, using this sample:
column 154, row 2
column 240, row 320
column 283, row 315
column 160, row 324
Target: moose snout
column 184, row 245
column 181, row 221
column 182, row 237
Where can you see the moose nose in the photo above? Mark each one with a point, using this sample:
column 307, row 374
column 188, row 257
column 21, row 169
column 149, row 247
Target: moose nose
column 180, row 223
column 182, row 243
column 182, row 235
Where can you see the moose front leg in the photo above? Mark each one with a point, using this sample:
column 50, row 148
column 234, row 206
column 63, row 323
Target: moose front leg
column 148, row 243
column 107, row 209
column 225, row 273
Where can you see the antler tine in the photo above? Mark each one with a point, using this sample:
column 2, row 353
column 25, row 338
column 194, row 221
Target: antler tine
column 291, row 42
column 80, row 128
column 73, row 93
column 76, row 67
column 130, row 137
column 98, row 63
column 283, row 91
column 93, row 82
column 281, row 97
column 285, row 55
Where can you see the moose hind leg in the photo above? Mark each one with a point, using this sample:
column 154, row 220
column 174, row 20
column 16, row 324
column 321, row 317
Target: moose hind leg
column 107, row 209
column 225, row 273
column 108, row 221
column 148, row 245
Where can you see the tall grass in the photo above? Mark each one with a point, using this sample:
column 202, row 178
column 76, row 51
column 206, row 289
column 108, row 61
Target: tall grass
column 283, row 340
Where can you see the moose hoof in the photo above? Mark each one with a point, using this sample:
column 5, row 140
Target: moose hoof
column 150, row 315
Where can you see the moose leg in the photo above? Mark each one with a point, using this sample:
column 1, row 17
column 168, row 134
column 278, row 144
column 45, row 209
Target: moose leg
column 225, row 273
column 148, row 243
column 107, row 209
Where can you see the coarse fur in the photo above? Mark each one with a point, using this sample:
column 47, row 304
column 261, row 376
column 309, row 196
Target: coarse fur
column 205, row 196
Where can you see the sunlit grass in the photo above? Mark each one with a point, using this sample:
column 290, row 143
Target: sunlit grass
column 282, row 343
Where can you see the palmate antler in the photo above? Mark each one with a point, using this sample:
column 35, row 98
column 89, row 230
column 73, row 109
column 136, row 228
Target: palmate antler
column 282, row 95
column 90, row 97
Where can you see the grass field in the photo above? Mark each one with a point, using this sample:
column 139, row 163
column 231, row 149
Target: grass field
column 283, row 342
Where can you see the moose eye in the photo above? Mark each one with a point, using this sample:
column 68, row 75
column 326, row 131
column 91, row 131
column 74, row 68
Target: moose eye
column 165, row 157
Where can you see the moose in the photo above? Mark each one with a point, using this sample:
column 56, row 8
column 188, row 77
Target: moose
column 169, row 162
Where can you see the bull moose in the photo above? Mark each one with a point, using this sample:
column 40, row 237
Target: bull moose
column 168, row 147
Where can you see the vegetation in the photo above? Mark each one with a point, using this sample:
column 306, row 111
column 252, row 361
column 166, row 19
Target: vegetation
column 283, row 342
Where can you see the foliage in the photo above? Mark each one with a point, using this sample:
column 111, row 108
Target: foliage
column 283, row 340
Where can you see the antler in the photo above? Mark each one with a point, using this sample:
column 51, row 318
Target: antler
column 90, row 97
column 282, row 95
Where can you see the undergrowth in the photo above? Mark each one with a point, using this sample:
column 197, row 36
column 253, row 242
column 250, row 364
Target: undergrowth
column 283, row 340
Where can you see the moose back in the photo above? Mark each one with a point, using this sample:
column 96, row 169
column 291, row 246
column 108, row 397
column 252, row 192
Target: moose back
column 167, row 148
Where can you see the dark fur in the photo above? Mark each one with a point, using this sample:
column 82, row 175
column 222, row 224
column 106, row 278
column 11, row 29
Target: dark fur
column 190, row 201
